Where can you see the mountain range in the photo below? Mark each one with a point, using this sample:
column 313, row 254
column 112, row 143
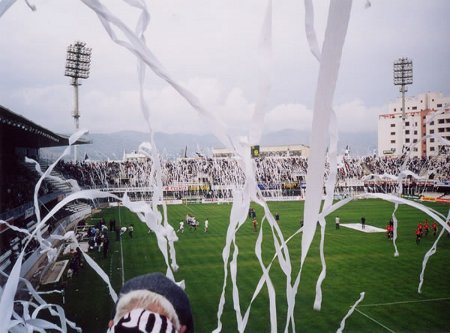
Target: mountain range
column 114, row 145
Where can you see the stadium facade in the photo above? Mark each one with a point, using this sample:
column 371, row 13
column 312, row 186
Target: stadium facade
column 427, row 115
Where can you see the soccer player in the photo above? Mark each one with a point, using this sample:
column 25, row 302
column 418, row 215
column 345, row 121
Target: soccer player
column 426, row 227
column 181, row 228
column 420, row 228
column 434, row 227
column 277, row 217
column 130, row 230
column 255, row 223
column 338, row 222
column 418, row 234
column 206, row 225
column 363, row 222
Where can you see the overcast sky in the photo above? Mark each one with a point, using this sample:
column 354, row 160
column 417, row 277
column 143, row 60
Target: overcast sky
column 210, row 46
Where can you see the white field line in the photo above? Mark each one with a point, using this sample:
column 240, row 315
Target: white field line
column 395, row 303
column 406, row 302
column 121, row 251
column 375, row 321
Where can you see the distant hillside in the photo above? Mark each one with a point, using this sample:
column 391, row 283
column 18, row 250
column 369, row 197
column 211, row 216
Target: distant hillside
column 113, row 145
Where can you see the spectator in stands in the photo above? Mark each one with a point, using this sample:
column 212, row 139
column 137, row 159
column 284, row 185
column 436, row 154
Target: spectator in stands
column 152, row 303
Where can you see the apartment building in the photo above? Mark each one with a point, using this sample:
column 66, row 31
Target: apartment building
column 427, row 121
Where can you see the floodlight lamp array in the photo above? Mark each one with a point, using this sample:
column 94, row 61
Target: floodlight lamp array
column 78, row 61
column 403, row 72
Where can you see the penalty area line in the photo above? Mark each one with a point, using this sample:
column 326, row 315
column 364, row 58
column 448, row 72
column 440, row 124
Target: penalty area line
column 375, row 321
column 406, row 302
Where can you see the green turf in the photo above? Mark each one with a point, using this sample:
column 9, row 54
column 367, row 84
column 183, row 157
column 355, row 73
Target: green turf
column 356, row 262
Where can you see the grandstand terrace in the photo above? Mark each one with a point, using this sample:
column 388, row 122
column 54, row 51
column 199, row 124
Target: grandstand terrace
column 20, row 138
column 277, row 176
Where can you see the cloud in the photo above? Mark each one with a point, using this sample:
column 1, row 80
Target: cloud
column 210, row 47
column 294, row 116
column 354, row 116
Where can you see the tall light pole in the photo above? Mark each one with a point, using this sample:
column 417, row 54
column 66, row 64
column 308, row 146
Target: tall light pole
column 403, row 76
column 78, row 62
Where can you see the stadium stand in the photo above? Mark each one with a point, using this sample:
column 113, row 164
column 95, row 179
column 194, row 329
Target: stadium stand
column 20, row 138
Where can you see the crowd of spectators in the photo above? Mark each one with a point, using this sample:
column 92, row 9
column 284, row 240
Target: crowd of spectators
column 271, row 172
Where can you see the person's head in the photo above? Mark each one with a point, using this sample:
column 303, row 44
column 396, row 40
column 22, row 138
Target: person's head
column 152, row 303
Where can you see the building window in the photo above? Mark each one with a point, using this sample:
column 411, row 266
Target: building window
column 392, row 125
column 415, row 132
column 440, row 130
column 431, row 148
column 415, row 141
column 392, row 141
column 431, row 131
column 440, row 121
column 414, row 107
column 407, row 123
column 415, row 149
column 431, row 123
column 439, row 105
column 431, row 139
column 395, row 109
column 392, row 133
column 407, row 140
column 407, row 132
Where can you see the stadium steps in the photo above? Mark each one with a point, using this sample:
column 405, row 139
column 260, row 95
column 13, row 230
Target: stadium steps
column 75, row 207
column 59, row 185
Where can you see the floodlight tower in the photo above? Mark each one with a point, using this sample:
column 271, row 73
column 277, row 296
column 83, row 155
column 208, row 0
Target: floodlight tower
column 403, row 76
column 78, row 62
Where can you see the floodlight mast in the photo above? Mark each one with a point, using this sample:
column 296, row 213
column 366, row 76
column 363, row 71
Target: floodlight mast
column 78, row 61
column 403, row 76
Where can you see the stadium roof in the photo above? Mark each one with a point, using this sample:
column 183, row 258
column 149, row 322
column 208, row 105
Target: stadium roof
column 21, row 132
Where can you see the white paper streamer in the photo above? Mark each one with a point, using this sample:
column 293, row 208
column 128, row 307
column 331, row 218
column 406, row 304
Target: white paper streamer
column 429, row 253
column 394, row 219
column 349, row 313
column 135, row 43
column 338, row 17
column 264, row 61
column 5, row 5
column 140, row 50
column 310, row 31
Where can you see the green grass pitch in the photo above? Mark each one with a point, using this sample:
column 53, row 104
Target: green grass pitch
column 356, row 262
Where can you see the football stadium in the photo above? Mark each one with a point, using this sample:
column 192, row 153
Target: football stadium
column 249, row 237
